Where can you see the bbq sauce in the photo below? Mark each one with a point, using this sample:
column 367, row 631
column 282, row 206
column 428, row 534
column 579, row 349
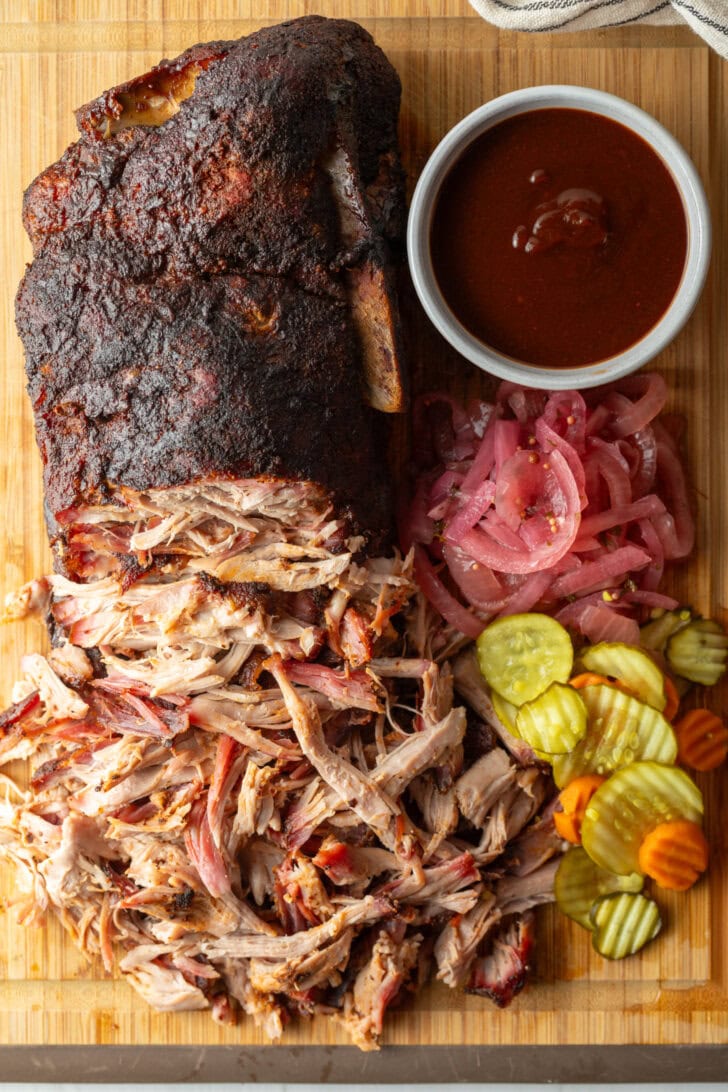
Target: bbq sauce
column 559, row 238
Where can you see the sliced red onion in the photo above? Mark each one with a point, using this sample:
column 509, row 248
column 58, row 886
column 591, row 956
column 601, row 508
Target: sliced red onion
column 600, row 623
column 652, row 575
column 626, row 513
column 651, row 599
column 565, row 413
column 494, row 526
column 521, row 482
column 572, row 614
column 484, row 460
column 557, row 535
column 473, row 510
column 505, row 443
column 479, row 584
column 609, row 569
column 584, row 544
column 597, row 420
column 510, row 487
column 613, row 471
column 530, row 593
column 550, row 441
column 651, row 392
column 436, row 592
column 525, row 402
column 676, row 527
column 443, row 495
column 642, row 450
column 612, row 448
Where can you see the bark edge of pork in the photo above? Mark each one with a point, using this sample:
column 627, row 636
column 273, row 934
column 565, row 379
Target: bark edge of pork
column 209, row 296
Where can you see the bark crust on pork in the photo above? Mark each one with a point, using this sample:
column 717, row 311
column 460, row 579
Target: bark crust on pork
column 198, row 285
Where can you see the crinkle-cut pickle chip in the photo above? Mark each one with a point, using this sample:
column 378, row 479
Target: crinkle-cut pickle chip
column 522, row 654
column 554, row 722
column 580, row 882
column 505, row 712
column 631, row 803
column 623, row 924
column 631, row 666
column 663, row 623
column 698, row 652
column 620, row 730
column 507, row 715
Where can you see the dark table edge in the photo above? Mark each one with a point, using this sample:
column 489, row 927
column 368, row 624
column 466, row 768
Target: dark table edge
column 399, row 1065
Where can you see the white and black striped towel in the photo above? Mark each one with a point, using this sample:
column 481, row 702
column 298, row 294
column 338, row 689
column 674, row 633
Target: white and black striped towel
column 708, row 17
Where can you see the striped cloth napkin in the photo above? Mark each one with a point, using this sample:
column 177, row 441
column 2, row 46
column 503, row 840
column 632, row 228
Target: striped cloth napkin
column 709, row 18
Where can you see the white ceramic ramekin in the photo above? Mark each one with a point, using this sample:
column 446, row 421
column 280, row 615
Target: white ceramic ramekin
column 697, row 215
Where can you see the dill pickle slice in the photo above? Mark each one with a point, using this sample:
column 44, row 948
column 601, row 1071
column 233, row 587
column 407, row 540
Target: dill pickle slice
column 631, row 803
column 522, row 654
column 505, row 712
column 663, row 624
column 624, row 923
column 580, row 882
column 698, row 652
column 631, row 666
column 554, row 722
column 620, row 730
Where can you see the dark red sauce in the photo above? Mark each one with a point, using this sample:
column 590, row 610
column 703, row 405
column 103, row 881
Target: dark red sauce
column 559, row 238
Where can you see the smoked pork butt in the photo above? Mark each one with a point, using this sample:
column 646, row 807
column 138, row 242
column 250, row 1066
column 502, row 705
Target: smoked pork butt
column 212, row 284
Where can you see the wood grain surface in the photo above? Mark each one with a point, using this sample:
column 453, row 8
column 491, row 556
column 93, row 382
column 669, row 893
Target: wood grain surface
column 56, row 56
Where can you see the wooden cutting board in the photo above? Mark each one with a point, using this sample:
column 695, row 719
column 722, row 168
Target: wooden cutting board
column 56, row 56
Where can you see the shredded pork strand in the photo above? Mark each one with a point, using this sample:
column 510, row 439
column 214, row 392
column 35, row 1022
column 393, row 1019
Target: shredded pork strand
column 246, row 789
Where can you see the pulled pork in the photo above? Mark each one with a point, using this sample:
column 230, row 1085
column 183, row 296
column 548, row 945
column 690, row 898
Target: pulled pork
column 247, row 790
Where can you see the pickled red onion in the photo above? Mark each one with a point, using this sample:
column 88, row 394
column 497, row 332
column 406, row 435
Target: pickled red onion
column 599, row 623
column 448, row 606
column 547, row 496
column 651, row 390
column 595, row 575
column 627, row 513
